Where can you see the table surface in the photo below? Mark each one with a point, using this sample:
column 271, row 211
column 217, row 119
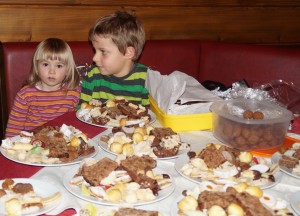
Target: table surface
column 198, row 139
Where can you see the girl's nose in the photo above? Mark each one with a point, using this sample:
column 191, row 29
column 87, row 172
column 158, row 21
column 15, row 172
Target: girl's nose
column 52, row 70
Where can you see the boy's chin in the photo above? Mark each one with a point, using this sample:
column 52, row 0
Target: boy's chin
column 103, row 72
column 106, row 73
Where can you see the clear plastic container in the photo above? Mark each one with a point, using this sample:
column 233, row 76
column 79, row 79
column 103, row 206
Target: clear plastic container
column 232, row 129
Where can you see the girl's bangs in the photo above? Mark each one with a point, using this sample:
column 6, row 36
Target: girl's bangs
column 48, row 55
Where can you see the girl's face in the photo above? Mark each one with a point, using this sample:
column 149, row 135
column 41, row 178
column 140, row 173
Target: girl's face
column 109, row 59
column 52, row 73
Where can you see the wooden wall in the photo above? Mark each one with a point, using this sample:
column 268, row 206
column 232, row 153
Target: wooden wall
column 275, row 22
column 247, row 21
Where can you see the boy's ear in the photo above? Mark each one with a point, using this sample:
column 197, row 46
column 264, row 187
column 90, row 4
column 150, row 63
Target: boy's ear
column 130, row 52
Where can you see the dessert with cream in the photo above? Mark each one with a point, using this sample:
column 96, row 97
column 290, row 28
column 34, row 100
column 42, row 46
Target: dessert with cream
column 48, row 145
column 131, row 180
column 222, row 164
column 290, row 158
column 209, row 199
column 114, row 112
column 146, row 140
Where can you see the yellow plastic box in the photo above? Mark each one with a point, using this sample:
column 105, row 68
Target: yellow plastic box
column 180, row 123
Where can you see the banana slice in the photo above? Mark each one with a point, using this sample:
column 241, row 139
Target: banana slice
column 50, row 199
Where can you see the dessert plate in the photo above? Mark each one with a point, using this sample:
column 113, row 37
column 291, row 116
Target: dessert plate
column 184, row 159
column 42, row 189
column 75, row 190
column 77, row 160
column 104, row 146
column 152, row 120
column 112, row 210
column 276, row 158
column 272, row 200
column 295, row 202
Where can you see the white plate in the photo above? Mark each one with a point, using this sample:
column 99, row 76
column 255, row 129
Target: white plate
column 75, row 190
column 77, row 160
column 295, row 202
column 41, row 188
column 275, row 159
column 184, row 159
column 152, row 115
column 104, row 146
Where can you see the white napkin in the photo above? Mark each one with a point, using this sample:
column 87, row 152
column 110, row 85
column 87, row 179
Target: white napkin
column 192, row 137
column 166, row 90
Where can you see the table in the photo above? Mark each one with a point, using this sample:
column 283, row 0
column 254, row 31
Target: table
column 197, row 139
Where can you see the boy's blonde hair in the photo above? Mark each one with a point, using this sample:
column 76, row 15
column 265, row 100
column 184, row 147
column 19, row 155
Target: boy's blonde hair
column 123, row 28
column 55, row 49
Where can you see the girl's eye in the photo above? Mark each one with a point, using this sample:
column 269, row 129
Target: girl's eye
column 45, row 64
column 60, row 66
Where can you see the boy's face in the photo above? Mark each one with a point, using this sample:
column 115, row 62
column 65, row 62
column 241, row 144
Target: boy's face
column 109, row 59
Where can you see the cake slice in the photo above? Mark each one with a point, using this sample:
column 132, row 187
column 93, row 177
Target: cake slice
column 252, row 205
column 160, row 133
column 137, row 168
column 93, row 174
column 288, row 162
column 135, row 212
column 136, row 164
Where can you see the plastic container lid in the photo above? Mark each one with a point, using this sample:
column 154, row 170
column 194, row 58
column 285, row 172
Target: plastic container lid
column 233, row 109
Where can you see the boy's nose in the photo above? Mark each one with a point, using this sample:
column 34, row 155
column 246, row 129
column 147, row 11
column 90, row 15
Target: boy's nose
column 95, row 59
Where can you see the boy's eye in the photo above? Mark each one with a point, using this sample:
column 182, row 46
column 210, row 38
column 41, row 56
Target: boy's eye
column 104, row 52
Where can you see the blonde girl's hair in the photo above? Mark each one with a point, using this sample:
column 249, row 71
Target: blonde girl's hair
column 55, row 49
column 123, row 28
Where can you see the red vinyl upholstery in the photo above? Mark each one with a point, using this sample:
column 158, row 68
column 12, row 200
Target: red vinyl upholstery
column 216, row 61
column 257, row 64
column 168, row 56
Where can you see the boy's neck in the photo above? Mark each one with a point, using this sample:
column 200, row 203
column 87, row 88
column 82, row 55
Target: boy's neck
column 126, row 70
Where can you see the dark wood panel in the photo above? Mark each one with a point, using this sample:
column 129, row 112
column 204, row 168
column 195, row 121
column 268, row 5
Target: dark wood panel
column 3, row 112
column 180, row 3
column 275, row 25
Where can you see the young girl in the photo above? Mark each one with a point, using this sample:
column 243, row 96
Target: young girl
column 51, row 90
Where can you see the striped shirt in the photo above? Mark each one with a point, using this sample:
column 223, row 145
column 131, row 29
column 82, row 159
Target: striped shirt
column 33, row 107
column 101, row 87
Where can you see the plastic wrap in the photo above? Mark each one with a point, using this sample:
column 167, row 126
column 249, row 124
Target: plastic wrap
column 285, row 93
column 239, row 90
column 280, row 92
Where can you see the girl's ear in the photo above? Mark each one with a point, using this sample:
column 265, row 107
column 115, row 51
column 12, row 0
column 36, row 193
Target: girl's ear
column 130, row 52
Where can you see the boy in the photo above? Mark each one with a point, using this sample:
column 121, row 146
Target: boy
column 118, row 40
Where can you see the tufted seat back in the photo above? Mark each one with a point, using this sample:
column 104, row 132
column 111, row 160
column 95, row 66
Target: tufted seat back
column 216, row 61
